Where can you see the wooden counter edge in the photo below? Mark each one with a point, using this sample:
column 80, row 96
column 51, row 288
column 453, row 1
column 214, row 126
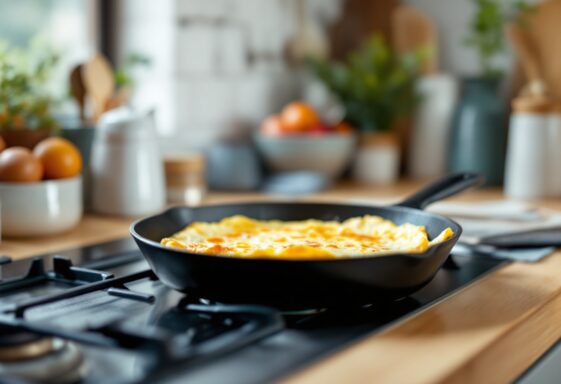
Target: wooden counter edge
column 491, row 332
column 91, row 230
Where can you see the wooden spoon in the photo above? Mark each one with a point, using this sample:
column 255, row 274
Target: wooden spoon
column 120, row 98
column 543, row 27
column 411, row 30
column 309, row 40
column 78, row 90
column 527, row 54
column 100, row 83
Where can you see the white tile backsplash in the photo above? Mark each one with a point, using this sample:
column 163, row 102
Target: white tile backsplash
column 208, row 9
column 231, row 49
column 216, row 62
column 205, row 100
column 196, row 49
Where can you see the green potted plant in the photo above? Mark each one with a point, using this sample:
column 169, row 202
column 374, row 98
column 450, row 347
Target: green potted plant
column 25, row 106
column 376, row 87
column 478, row 134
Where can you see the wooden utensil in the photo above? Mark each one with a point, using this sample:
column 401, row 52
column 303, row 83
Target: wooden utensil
column 99, row 82
column 78, row 90
column 359, row 20
column 120, row 98
column 309, row 40
column 411, row 30
column 527, row 55
column 543, row 28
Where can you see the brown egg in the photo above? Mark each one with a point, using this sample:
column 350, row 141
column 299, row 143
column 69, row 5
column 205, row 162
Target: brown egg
column 18, row 164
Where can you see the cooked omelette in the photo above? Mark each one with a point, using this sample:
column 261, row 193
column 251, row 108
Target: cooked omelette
column 241, row 236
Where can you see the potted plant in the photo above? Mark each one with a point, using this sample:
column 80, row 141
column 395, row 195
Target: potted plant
column 478, row 134
column 25, row 106
column 376, row 87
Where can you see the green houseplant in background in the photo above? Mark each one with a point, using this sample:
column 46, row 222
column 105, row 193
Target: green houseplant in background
column 25, row 105
column 478, row 134
column 376, row 87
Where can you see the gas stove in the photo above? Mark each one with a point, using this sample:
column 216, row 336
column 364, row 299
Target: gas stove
column 99, row 315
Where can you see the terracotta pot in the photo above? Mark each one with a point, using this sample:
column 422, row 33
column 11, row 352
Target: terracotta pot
column 377, row 158
column 24, row 137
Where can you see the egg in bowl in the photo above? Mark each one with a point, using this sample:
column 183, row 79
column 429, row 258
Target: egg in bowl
column 244, row 237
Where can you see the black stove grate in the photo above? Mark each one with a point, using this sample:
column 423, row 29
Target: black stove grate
column 185, row 335
column 134, row 329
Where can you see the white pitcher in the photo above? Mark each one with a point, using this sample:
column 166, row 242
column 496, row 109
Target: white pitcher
column 126, row 165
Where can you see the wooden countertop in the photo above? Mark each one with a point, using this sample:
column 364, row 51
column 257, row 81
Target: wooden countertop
column 491, row 331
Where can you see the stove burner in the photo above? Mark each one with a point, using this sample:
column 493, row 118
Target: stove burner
column 23, row 349
column 48, row 361
column 101, row 315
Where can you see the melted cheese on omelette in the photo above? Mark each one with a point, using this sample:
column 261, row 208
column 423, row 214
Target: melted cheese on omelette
column 240, row 236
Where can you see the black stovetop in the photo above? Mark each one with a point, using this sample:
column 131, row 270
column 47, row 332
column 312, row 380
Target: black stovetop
column 123, row 325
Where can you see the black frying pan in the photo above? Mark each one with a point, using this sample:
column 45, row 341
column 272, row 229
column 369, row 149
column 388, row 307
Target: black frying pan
column 292, row 284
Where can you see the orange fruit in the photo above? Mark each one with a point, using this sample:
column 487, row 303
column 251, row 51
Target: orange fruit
column 299, row 117
column 272, row 126
column 17, row 164
column 60, row 158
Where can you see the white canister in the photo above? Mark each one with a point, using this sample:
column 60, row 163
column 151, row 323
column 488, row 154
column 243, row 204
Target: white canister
column 554, row 152
column 126, row 165
column 526, row 168
column 377, row 159
column 429, row 134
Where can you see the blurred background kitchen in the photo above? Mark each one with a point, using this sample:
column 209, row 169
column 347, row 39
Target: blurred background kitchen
column 160, row 101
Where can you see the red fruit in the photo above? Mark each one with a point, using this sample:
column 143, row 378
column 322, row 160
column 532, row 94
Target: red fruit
column 321, row 129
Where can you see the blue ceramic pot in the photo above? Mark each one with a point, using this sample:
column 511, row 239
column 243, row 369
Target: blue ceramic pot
column 478, row 134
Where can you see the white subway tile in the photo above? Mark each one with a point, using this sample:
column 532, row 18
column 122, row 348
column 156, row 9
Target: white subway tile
column 196, row 53
column 206, row 100
column 231, row 49
column 203, row 8
column 269, row 24
column 261, row 94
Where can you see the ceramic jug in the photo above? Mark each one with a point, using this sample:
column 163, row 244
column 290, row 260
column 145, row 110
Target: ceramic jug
column 478, row 134
column 126, row 165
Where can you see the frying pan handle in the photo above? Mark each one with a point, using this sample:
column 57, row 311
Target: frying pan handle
column 443, row 188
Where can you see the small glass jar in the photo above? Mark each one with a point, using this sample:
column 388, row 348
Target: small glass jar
column 185, row 179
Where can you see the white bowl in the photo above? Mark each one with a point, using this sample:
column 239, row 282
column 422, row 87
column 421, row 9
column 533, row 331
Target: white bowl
column 42, row 208
column 328, row 154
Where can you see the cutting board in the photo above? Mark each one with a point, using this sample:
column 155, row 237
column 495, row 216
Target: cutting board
column 543, row 28
column 359, row 20
column 411, row 30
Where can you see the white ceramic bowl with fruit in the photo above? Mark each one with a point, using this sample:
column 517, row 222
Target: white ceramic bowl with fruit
column 297, row 139
column 40, row 190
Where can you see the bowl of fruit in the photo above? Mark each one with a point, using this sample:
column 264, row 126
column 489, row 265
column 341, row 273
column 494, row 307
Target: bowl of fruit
column 40, row 189
column 297, row 139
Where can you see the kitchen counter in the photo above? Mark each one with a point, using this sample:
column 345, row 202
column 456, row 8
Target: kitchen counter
column 491, row 331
